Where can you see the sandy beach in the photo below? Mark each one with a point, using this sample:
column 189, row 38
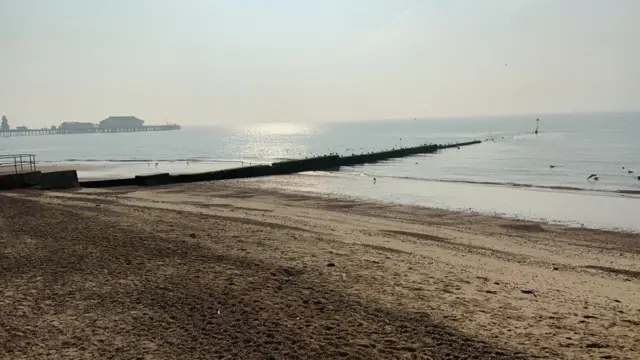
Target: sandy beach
column 63, row 167
column 231, row 270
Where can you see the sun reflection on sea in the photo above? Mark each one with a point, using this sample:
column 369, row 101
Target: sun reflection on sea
column 274, row 141
column 279, row 129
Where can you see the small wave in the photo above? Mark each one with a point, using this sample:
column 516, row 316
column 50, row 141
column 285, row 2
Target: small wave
column 519, row 185
column 332, row 173
column 318, row 173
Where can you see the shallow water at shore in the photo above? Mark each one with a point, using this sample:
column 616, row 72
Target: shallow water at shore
column 601, row 210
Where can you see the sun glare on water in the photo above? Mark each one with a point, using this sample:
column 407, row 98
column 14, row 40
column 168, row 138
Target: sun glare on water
column 279, row 129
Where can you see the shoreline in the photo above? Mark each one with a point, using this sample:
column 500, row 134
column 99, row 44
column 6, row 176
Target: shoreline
column 310, row 276
column 434, row 193
column 524, row 204
column 210, row 166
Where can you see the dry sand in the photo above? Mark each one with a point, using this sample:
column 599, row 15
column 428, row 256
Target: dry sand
column 62, row 167
column 224, row 270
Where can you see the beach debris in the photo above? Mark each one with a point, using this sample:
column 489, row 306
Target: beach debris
column 556, row 268
column 528, row 291
column 630, row 171
column 192, row 235
column 330, row 264
column 594, row 176
column 595, row 345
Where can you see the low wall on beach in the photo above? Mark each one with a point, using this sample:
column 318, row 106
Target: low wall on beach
column 65, row 179
column 109, row 183
column 153, row 179
column 226, row 174
column 19, row 180
column 278, row 168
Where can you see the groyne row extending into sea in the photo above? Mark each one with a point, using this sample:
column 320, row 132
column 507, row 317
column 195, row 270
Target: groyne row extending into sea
column 29, row 177
column 330, row 162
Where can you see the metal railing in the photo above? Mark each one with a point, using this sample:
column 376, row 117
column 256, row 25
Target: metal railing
column 17, row 163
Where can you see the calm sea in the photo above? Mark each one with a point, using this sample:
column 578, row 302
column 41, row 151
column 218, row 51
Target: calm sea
column 510, row 175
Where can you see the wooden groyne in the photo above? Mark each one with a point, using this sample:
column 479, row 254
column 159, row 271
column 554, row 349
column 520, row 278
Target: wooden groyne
column 398, row 153
column 278, row 168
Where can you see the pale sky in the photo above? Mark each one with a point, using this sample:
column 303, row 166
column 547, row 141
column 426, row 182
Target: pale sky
column 232, row 62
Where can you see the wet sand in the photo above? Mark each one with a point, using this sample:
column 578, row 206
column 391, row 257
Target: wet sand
column 221, row 269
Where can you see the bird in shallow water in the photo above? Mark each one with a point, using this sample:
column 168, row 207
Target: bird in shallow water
column 593, row 176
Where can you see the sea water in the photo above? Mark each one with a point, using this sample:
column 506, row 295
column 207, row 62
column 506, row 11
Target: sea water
column 514, row 172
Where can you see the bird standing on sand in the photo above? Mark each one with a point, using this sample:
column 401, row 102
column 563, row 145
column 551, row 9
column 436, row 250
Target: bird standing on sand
column 156, row 164
column 374, row 180
column 594, row 176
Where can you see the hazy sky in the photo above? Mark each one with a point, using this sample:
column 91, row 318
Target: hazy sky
column 221, row 62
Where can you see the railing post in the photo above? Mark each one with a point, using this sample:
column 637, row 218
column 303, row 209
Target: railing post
column 15, row 164
column 21, row 168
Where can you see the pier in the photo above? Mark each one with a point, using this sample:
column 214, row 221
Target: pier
column 110, row 125
column 97, row 130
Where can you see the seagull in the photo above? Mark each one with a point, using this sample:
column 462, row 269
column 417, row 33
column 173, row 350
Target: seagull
column 594, row 176
column 374, row 180
column 630, row 171
column 551, row 166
